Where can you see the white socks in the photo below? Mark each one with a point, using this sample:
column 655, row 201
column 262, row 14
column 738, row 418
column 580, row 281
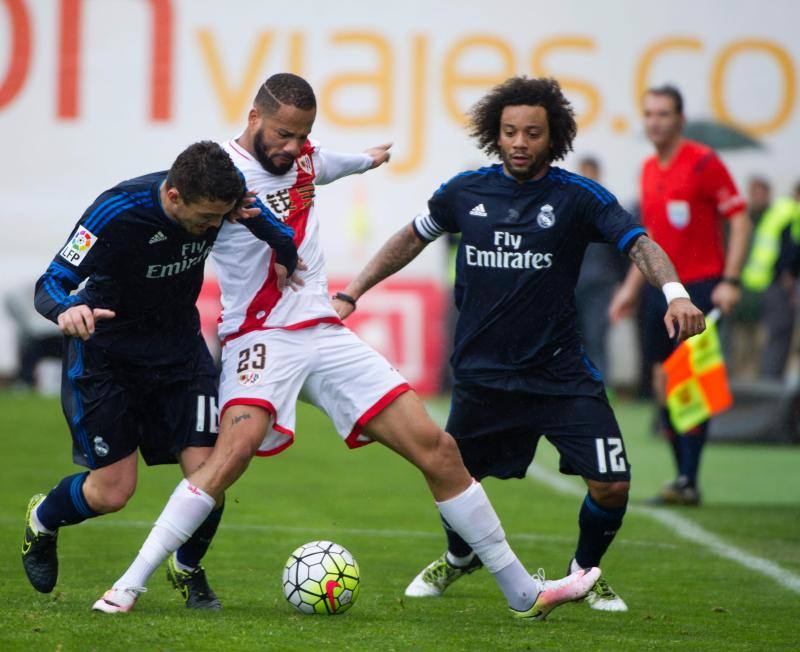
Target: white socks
column 472, row 516
column 186, row 509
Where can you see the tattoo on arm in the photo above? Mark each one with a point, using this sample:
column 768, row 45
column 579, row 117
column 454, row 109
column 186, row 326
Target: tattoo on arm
column 241, row 417
column 398, row 251
column 653, row 262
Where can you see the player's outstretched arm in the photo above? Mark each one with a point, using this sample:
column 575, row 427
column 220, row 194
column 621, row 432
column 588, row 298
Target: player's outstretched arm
column 380, row 154
column 399, row 250
column 660, row 272
column 335, row 165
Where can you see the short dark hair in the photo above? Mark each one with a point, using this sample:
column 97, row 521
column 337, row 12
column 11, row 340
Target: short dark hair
column 522, row 91
column 668, row 90
column 285, row 88
column 205, row 171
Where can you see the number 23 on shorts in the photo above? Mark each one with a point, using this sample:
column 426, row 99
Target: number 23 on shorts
column 254, row 357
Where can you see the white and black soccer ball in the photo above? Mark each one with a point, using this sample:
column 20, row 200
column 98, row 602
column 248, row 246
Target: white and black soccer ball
column 321, row 577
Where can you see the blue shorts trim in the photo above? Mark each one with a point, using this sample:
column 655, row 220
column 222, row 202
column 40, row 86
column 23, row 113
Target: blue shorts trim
column 74, row 371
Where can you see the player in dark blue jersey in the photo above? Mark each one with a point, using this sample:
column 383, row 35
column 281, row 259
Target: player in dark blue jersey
column 519, row 366
column 137, row 375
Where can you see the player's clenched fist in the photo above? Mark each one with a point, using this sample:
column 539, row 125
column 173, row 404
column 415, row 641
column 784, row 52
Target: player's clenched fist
column 689, row 319
column 78, row 321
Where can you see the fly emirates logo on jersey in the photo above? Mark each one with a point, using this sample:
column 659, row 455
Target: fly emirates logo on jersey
column 193, row 254
column 507, row 254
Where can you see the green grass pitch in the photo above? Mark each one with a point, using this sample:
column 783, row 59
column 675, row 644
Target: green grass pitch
column 682, row 595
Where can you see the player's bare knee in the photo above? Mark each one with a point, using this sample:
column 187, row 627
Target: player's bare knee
column 448, row 449
column 109, row 497
column 610, row 494
column 115, row 501
column 441, row 454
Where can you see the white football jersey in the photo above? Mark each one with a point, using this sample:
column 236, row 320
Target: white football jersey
column 245, row 265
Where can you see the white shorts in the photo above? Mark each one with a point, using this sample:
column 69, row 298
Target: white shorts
column 326, row 365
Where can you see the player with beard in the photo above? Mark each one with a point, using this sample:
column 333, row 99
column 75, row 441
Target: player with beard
column 519, row 366
column 277, row 344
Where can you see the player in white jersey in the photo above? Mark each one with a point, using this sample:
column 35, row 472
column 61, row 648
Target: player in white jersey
column 277, row 344
column 267, row 334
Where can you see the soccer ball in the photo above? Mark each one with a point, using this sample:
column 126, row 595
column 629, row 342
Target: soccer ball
column 321, row 577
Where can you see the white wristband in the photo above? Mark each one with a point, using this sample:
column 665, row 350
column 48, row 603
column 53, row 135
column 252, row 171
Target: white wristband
column 674, row 290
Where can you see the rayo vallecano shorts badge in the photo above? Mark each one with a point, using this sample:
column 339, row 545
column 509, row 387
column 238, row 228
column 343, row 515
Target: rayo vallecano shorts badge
column 249, row 378
column 546, row 217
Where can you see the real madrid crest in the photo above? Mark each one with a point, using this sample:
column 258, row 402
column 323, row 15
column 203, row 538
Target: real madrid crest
column 546, row 217
column 101, row 447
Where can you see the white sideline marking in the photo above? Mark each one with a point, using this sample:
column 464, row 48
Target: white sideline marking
column 684, row 528
column 366, row 532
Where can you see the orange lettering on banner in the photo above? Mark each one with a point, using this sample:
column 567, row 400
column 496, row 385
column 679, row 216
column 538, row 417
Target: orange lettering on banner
column 653, row 52
column 380, row 79
column 416, row 111
column 297, row 45
column 68, row 58
column 593, row 100
column 161, row 71
column 19, row 64
column 454, row 80
column 235, row 101
column 786, row 67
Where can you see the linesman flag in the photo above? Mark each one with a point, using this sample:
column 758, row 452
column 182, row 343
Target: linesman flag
column 697, row 381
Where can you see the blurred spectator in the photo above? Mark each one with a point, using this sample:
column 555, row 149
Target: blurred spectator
column 739, row 334
column 37, row 338
column 602, row 269
column 771, row 270
column 759, row 197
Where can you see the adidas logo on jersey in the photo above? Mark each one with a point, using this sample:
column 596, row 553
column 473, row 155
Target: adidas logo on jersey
column 158, row 237
column 479, row 211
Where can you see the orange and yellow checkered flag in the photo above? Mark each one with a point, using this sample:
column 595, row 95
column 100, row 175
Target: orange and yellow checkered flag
column 697, row 381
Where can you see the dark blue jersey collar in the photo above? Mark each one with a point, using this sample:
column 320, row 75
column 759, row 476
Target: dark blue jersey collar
column 511, row 182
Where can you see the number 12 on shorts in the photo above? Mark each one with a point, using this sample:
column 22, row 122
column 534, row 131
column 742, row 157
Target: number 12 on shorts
column 610, row 454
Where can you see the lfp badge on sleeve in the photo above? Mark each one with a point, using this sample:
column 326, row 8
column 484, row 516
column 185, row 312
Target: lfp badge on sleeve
column 77, row 248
